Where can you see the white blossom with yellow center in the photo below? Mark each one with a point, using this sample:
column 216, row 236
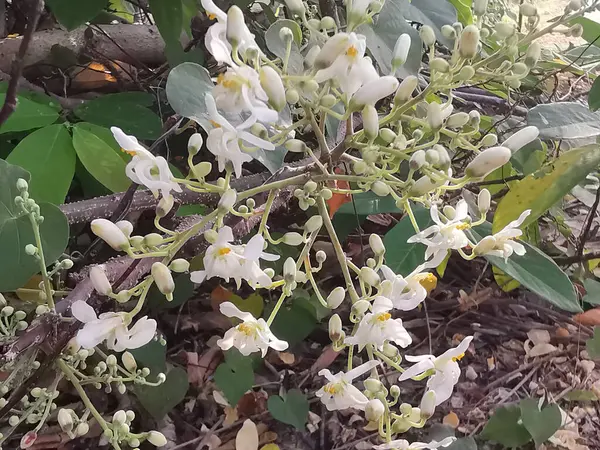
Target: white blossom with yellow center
column 445, row 367
column 406, row 293
column 251, row 336
column 377, row 327
column 339, row 393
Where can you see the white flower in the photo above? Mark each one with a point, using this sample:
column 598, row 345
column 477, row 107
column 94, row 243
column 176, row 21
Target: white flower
column 377, row 327
column 502, row 243
column 239, row 90
column 487, row 161
column 401, row 50
column 145, row 168
column 100, row 280
column 444, row 236
column 402, row 444
column 521, row 138
column 373, row 91
column 112, row 328
column 110, row 233
column 252, row 335
column 339, row 392
column 350, row 68
column 225, row 260
column 447, row 370
column 408, row 293
column 223, row 140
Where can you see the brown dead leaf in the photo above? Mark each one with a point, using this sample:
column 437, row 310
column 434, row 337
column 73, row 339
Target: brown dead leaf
column 491, row 363
column 451, row 419
column 539, row 336
column 589, row 318
column 199, row 368
column 325, row 359
column 205, row 321
column 381, row 219
column 286, row 358
column 96, row 75
column 218, row 296
column 231, row 416
column 252, row 403
column 474, row 299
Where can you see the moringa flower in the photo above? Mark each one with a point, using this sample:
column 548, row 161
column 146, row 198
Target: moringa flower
column 503, row 243
column 402, row 444
column 339, row 392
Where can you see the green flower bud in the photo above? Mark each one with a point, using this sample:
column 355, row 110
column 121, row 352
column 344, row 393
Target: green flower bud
column 313, row 224
column 427, row 35
column 179, row 265
column 439, row 65
column 195, row 143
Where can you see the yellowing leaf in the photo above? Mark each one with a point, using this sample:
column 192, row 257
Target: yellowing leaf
column 270, row 447
column 247, row 437
column 451, row 419
column 505, row 282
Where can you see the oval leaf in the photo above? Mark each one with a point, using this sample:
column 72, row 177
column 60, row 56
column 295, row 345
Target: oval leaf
column 567, row 120
column 187, row 85
column 28, row 115
column 291, row 408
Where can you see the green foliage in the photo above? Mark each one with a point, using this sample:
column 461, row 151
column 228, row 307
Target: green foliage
column 48, row 155
column 401, row 256
column 293, row 323
column 159, row 400
column 591, row 30
column 564, row 120
column 278, row 47
column 254, row 304
column 153, row 355
column 579, row 395
column 592, row 291
column 184, row 290
column 541, row 424
column 530, row 158
column 542, row 189
column 28, row 115
column 16, row 267
column 594, row 96
column 73, row 13
column 122, row 9
column 128, row 111
column 592, row 345
column 463, row 8
column 235, row 376
column 537, row 272
column 168, row 16
column 100, row 159
column 505, row 427
column 290, row 408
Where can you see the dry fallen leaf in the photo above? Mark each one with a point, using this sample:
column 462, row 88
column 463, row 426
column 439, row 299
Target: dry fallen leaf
column 231, row 416
column 247, row 437
column 491, row 363
column 474, row 299
column 451, row 419
column 539, row 336
column 252, row 403
column 539, row 350
column 589, row 318
column 199, row 368
column 286, row 358
column 325, row 359
column 218, row 296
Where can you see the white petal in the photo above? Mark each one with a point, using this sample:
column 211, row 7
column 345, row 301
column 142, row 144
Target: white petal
column 142, row 332
column 230, row 310
column 358, row 371
column 247, row 437
column 83, row 312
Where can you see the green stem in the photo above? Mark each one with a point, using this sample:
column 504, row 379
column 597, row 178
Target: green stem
column 276, row 309
column 42, row 260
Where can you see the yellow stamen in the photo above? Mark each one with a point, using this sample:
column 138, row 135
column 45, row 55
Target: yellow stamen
column 129, row 152
column 332, row 388
column 226, row 82
column 246, row 329
column 215, row 124
column 212, row 16
column 352, row 52
column 458, row 358
column 463, row 226
column 382, row 317
column 427, row 280
column 223, row 251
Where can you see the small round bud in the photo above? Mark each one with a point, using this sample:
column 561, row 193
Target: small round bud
column 448, row 32
column 395, row 391
column 489, row 140
column 427, row 35
column 111, row 360
column 380, row 188
column 376, row 244
column 373, row 385
column 457, row 120
column 202, row 169
column 292, row 96
column 439, row 65
column 123, row 296
column 328, row 100
column 369, row 276
column 293, row 238
column 484, row 200
column 295, row 146
column 7, row 311
column 289, row 270
column 466, row 73
column 389, row 350
column 156, row 438
column 335, row 328
column 359, row 167
column 210, row 236
column 66, row 264
column 137, row 241
column 321, row 256
column 327, row 23
column 179, row 265
column 82, row 429
column 195, row 143
column 336, row 297
column 286, row 35
column 387, row 135
column 13, row 421
column 533, row 54
column 374, row 410
column 417, row 160
column 297, row 8
column 313, row 224
column 228, row 200
column 504, row 30
column 31, row 249
column 119, row 417
column 22, row 185
column 326, row 193
column 153, row 239
column 480, row 7
column 528, row 10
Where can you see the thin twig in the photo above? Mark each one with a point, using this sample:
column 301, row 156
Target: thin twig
column 10, row 101
column 585, row 234
column 565, row 260
column 201, row 439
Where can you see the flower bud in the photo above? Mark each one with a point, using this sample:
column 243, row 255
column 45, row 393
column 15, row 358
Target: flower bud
column 427, row 406
column 370, row 122
column 489, row 140
column 129, row 362
column 31, row 249
column 374, row 410
column 156, row 438
column 195, row 143
column 528, row 10
column 293, row 238
column 504, row 29
column 100, row 280
column 458, row 120
column 374, row 91
column 311, row 55
column 313, row 224
column 521, row 138
column 163, row 279
column 335, row 46
column 110, row 233
column 520, row 69
column 488, row 161
column 405, row 90
column 532, row 56
column 469, row 40
column 336, row 297
column 228, row 200
column 65, row 419
column 82, row 429
column 486, row 245
column 432, row 157
column 480, row 7
column 296, row 7
column 165, row 205
column 484, row 200
column 271, row 82
column 236, row 26
column 286, row 35
column 376, row 244
column 439, row 65
column 369, row 276
column 401, row 49
column 119, row 417
column 179, row 265
column 380, row 188
column 475, row 118
column 153, row 239
column 289, row 270
column 466, row 73
column 427, row 35
column 448, row 32
column 360, row 307
column 335, row 328
column 125, row 226
column 424, row 185
column 295, row 146
column 417, row 160
column 22, row 185
column 373, row 385
column 444, row 161
column 321, row 256
column 327, row 23
column 574, row 5
column 435, row 117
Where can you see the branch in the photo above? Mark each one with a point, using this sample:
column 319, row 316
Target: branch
column 10, row 101
column 566, row 260
column 585, row 234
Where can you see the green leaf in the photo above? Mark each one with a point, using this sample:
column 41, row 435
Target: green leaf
column 594, row 96
column 463, row 8
column 234, row 377
column 579, row 395
column 500, row 174
column 529, row 158
column 16, row 267
column 278, row 47
column 505, row 428
column 168, row 15
column 592, row 291
column 541, row 425
column 293, row 323
column 539, row 191
column 100, row 160
column 106, row 135
column 564, row 120
column 123, row 9
column 159, row 400
column 49, row 156
column 401, row 256
column 72, row 13
column 592, row 345
column 311, row 303
column 537, row 272
column 290, row 408
column 126, row 111
column 28, row 115
column 187, row 85
column 591, row 29
column 153, row 356
column 184, row 290
column 368, row 203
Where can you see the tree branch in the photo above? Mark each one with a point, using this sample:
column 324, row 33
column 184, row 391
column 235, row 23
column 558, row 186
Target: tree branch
column 18, row 63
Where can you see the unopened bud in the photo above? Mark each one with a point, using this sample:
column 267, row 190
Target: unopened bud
column 521, row 138
column 336, row 297
column 432, row 157
column 444, row 161
column 466, row 73
column 156, row 438
column 272, row 84
column 327, row 23
column 405, row 90
column 236, row 26
column 488, row 161
column 201, row 169
column 119, row 417
column 504, row 29
column 296, row 7
column 380, row 188
column 448, row 32
column 417, row 160
column 389, row 350
column 401, row 49
column 369, row 276
column 129, row 362
column 387, row 135
column 335, row 328
column 153, row 239
column 22, row 185
column 376, row 244
column 480, row 7
column 195, row 143
column 373, row 91
column 100, row 280
column 458, row 120
column 313, row 224
column 289, row 270
column 65, row 420
column 484, row 200
column 228, row 200
column 373, row 385
column 31, row 249
column 110, row 233
column 435, row 117
column 427, row 35
column 370, row 122
column 427, row 406
column 374, row 410
column 179, row 265
column 528, row 10
column 532, row 56
column 424, row 185
column 469, row 40
column 489, row 140
column 439, row 65
column 165, row 205
column 295, row 146
column 163, row 279
column 334, row 47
